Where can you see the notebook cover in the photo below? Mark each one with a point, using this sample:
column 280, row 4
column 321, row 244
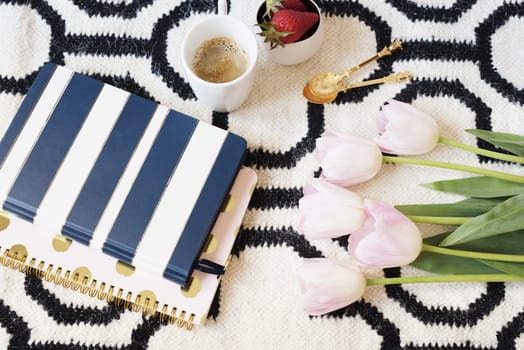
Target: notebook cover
column 102, row 276
column 116, row 172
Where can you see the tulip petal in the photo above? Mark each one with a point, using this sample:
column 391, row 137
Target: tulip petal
column 346, row 159
column 341, row 195
column 387, row 239
column 364, row 165
column 381, row 121
column 405, row 130
column 328, row 285
column 329, row 211
column 328, row 221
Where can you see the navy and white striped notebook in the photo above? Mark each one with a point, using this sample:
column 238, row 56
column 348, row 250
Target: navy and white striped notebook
column 116, row 172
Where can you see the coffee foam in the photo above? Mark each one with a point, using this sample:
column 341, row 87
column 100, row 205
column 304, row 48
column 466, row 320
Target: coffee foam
column 219, row 60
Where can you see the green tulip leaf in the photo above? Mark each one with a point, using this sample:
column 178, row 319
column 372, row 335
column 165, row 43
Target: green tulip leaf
column 478, row 186
column 465, row 208
column 436, row 239
column 451, row 265
column 505, row 243
column 510, row 142
column 505, row 217
column 512, row 268
column 516, row 147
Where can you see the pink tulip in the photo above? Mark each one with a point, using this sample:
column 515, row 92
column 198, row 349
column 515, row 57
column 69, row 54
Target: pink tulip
column 329, row 211
column 405, row 130
column 387, row 239
column 346, row 159
column 328, row 285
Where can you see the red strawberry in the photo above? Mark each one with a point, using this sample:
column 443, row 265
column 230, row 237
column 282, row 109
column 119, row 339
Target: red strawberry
column 273, row 6
column 287, row 26
column 296, row 5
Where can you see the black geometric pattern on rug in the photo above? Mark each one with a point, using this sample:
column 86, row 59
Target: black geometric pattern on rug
column 139, row 339
column 263, row 159
column 15, row 326
column 476, row 310
column 276, row 237
column 375, row 319
column 484, row 33
column 11, row 85
column 110, row 9
column 448, row 14
column 275, row 198
column 510, row 332
column 67, row 314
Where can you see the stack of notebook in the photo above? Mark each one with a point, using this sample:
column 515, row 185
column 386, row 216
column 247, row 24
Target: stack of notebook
column 92, row 176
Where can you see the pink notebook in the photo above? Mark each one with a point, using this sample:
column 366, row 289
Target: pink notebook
column 31, row 249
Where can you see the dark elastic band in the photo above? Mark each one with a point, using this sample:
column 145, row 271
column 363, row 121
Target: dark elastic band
column 211, row 267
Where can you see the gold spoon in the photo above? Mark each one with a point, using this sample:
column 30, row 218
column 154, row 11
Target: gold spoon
column 325, row 98
column 327, row 84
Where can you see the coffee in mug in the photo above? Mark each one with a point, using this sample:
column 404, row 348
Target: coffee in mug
column 219, row 60
column 238, row 77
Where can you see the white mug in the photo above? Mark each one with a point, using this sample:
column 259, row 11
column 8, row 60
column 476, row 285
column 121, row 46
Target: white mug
column 220, row 97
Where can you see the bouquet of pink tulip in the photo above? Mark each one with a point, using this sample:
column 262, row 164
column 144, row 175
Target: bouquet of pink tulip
column 487, row 244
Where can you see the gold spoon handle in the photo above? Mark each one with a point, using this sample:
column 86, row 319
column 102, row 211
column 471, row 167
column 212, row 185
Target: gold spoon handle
column 393, row 78
column 386, row 51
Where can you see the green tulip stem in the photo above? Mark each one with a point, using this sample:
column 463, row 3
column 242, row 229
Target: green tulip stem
column 439, row 220
column 472, row 254
column 481, row 151
column 459, row 167
column 445, row 279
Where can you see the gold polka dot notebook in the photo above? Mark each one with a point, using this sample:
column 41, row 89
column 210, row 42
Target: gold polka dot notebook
column 57, row 259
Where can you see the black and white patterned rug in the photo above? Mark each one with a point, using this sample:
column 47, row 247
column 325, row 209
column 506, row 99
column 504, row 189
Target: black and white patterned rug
column 466, row 57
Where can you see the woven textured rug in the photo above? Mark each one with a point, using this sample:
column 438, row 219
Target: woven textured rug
column 466, row 60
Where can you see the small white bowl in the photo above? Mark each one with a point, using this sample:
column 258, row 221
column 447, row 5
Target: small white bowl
column 301, row 50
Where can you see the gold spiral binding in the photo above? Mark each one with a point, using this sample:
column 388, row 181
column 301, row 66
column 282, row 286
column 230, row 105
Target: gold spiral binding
column 86, row 285
column 93, row 292
column 151, row 309
column 58, row 276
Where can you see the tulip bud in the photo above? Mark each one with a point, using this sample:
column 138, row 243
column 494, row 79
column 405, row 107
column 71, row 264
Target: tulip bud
column 346, row 159
column 329, row 211
column 405, row 130
column 387, row 239
column 328, row 285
